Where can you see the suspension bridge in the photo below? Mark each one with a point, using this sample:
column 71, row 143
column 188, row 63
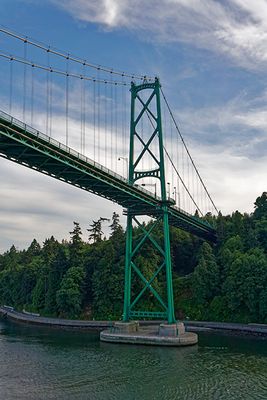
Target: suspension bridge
column 110, row 133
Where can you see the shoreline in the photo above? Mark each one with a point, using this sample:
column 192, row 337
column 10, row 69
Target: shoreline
column 89, row 325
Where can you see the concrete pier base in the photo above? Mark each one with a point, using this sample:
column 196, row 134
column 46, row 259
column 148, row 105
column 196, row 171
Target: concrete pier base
column 173, row 330
column 162, row 335
column 126, row 327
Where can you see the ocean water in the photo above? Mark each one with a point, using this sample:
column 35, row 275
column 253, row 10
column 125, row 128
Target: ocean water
column 39, row 363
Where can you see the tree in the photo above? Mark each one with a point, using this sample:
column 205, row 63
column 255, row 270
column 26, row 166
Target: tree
column 49, row 249
column 70, row 294
column 260, row 206
column 115, row 226
column 96, row 230
column 11, row 258
column 107, row 283
column 76, row 246
column 245, row 287
column 76, row 234
column 206, row 278
column 57, row 270
column 117, row 235
column 261, row 232
column 34, row 249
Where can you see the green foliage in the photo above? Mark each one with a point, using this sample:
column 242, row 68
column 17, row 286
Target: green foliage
column 107, row 283
column 76, row 279
column 261, row 232
column 58, row 267
column 245, row 286
column 76, row 246
column 96, row 230
column 261, row 206
column 70, row 295
column 205, row 278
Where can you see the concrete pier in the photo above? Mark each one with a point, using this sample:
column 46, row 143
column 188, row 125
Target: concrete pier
column 162, row 335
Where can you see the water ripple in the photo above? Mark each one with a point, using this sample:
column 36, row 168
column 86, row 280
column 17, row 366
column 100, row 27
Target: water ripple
column 41, row 364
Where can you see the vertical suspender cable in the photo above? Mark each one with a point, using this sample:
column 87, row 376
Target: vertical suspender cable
column 183, row 175
column 189, row 156
column 123, row 109
column 47, row 92
column 10, row 85
column 50, row 102
column 143, row 163
column 84, row 115
column 83, row 111
column 32, row 94
column 167, row 164
column 173, row 157
column 105, row 122
column 98, row 117
column 111, row 119
column 81, row 117
column 116, row 126
column 94, row 118
column 193, row 182
column 67, row 101
column 24, row 80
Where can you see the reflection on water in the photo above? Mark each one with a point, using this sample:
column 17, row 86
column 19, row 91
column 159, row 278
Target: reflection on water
column 37, row 363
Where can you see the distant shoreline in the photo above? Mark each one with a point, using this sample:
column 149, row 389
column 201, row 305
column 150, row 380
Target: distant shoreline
column 33, row 319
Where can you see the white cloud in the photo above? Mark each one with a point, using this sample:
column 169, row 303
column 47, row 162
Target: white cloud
column 233, row 181
column 36, row 206
column 239, row 125
column 236, row 28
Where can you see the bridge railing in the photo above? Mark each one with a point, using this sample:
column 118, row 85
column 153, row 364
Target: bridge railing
column 69, row 150
column 49, row 139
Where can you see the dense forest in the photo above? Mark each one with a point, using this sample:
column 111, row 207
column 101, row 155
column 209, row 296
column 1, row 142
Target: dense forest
column 226, row 281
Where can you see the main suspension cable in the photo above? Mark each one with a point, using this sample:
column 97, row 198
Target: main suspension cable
column 60, row 72
column 73, row 58
column 177, row 172
column 186, row 148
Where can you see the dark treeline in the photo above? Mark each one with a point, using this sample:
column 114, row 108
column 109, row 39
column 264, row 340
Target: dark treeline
column 76, row 279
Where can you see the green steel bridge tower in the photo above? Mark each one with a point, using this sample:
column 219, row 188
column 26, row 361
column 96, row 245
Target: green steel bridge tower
column 162, row 219
column 103, row 123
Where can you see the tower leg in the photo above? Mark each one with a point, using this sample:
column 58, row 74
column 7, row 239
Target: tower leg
column 128, row 272
column 170, row 312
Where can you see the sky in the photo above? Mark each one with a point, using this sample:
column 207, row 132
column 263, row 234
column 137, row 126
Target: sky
column 211, row 58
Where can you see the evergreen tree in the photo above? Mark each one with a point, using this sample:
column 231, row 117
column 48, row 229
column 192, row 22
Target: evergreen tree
column 206, row 278
column 34, row 249
column 245, row 286
column 76, row 246
column 96, row 230
column 261, row 206
column 70, row 294
column 107, row 284
column 58, row 268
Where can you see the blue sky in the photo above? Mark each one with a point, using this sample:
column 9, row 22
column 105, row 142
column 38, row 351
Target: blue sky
column 211, row 58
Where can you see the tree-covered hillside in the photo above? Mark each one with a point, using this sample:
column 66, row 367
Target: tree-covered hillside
column 78, row 279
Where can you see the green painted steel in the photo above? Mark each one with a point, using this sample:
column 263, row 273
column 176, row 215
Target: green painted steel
column 148, row 314
column 162, row 215
column 26, row 146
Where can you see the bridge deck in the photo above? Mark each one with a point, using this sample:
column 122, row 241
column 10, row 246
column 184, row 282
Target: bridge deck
column 24, row 145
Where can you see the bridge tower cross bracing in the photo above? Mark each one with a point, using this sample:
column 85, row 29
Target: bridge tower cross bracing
column 150, row 109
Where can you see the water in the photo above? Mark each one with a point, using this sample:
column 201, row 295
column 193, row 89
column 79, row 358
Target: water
column 37, row 363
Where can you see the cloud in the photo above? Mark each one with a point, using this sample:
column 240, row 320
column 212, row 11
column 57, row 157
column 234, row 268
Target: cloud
column 239, row 125
column 226, row 140
column 36, row 206
column 235, row 28
column 233, row 181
